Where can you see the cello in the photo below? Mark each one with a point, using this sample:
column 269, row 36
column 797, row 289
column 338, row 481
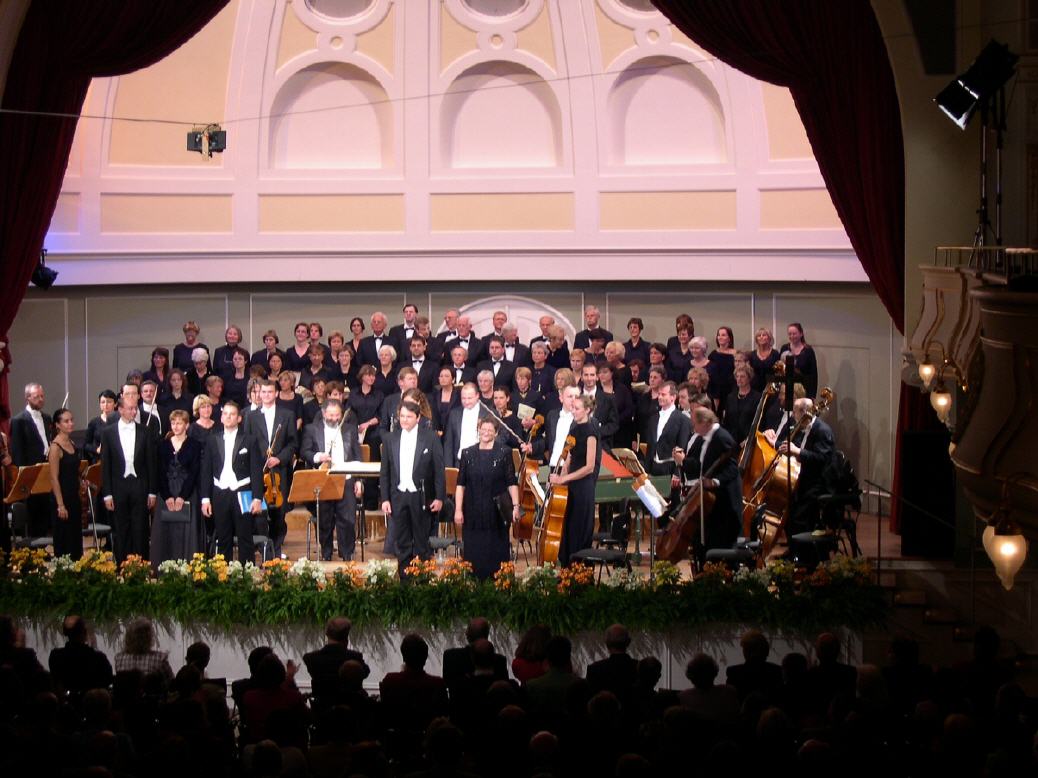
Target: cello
column 684, row 527
column 551, row 517
column 528, row 468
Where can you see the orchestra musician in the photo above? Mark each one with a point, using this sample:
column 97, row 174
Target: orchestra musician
column 412, row 484
column 708, row 443
column 129, row 478
column 232, row 471
column 814, row 447
column 334, row 440
column 667, row 429
column 461, row 429
column 580, row 474
column 63, row 457
column 262, row 424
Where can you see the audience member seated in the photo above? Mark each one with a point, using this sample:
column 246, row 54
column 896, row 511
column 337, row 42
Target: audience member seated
column 274, row 691
column 139, row 652
column 756, row 674
column 458, row 662
column 324, row 663
column 77, row 666
column 529, row 654
column 412, row 697
column 829, row 677
column 718, row 705
column 618, row 672
column 548, row 693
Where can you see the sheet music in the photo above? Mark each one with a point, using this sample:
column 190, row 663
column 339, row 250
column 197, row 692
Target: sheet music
column 356, row 468
column 524, row 411
column 538, row 490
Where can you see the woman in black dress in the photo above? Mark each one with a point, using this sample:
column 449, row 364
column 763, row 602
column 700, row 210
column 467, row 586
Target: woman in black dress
column 485, row 471
column 236, row 382
column 176, row 399
column 356, row 334
column 741, row 405
column 180, row 458
column 722, row 363
column 444, row 398
column 315, row 369
column 159, row 370
column 679, row 358
column 288, row 398
column 344, row 370
column 503, row 410
column 223, row 364
column 63, row 458
column 365, row 403
column 183, row 352
column 385, row 372
column 580, row 473
column 199, row 373
column 624, row 402
column 805, row 365
column 297, row 356
column 204, row 424
column 763, row 357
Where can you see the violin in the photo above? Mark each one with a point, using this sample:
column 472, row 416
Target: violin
column 551, row 517
column 528, row 468
column 272, row 478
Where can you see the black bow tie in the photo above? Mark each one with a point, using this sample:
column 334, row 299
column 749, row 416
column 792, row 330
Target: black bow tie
column 417, row 361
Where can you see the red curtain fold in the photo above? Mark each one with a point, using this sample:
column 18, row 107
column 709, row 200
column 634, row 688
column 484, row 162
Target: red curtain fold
column 832, row 57
column 62, row 45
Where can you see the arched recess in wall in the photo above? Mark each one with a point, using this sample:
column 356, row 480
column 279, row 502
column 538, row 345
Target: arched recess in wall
column 665, row 111
column 331, row 115
column 500, row 115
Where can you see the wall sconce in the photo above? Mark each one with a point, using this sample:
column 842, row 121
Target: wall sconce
column 928, row 372
column 941, row 401
column 1004, row 543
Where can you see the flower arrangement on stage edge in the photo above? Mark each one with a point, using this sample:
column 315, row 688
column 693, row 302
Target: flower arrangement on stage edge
column 839, row 593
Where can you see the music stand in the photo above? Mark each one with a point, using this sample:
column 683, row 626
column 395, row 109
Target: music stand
column 359, row 469
column 92, row 475
column 311, row 485
column 24, row 484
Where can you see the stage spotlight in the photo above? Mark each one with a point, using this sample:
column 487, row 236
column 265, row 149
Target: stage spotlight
column 207, row 140
column 995, row 65
column 43, row 276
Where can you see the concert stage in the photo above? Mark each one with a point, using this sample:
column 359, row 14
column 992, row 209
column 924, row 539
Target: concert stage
column 284, row 605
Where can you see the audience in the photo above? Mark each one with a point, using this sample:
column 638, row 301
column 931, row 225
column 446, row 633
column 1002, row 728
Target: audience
column 804, row 718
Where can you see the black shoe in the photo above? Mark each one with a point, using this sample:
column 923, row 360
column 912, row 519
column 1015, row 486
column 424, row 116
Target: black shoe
column 326, row 557
column 347, row 558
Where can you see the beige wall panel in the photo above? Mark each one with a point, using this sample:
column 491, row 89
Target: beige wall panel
column 851, row 337
column 38, row 341
column 509, row 212
column 667, row 210
column 792, row 209
column 379, row 43
column 134, row 213
column 296, row 38
column 455, row 38
column 613, row 38
column 187, row 86
column 537, row 39
column 658, row 309
column 331, row 213
column 787, row 138
column 66, row 213
column 121, row 331
column 281, row 312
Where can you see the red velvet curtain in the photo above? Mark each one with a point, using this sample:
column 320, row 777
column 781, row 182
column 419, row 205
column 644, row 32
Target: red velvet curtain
column 62, row 45
column 832, row 57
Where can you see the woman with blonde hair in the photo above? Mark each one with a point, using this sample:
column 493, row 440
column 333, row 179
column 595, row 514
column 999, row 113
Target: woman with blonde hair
column 763, row 357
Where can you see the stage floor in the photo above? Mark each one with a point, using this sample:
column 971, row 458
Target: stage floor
column 886, row 542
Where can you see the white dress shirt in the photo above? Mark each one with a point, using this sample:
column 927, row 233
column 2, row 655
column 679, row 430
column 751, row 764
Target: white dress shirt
column 268, row 418
column 37, row 420
column 561, row 431
column 497, row 366
column 469, row 428
column 227, row 479
column 408, row 444
column 664, row 418
column 510, row 352
column 128, row 441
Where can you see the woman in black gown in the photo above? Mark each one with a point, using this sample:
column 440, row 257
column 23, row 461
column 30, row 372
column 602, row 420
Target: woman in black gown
column 763, row 357
column 180, row 458
column 444, row 397
column 485, row 471
column 722, row 363
column 580, row 473
column 63, row 457
column 805, row 365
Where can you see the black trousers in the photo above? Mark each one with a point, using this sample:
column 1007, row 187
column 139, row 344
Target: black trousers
column 131, row 527
column 228, row 522
column 339, row 518
column 411, row 525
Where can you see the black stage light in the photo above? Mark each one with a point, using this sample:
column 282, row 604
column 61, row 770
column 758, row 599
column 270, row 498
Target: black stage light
column 995, row 65
column 43, row 276
column 207, row 140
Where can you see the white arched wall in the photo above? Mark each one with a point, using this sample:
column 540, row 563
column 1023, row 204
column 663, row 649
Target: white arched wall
column 664, row 111
column 331, row 115
column 500, row 114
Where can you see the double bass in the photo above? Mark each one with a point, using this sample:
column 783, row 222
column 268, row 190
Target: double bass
column 779, row 480
column 551, row 517
column 757, row 455
column 685, row 526
column 528, row 468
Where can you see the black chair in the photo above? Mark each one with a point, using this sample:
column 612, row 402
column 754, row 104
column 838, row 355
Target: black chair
column 610, row 548
column 840, row 513
column 444, row 534
column 20, row 528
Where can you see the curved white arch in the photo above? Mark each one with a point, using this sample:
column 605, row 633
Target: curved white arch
column 522, row 311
